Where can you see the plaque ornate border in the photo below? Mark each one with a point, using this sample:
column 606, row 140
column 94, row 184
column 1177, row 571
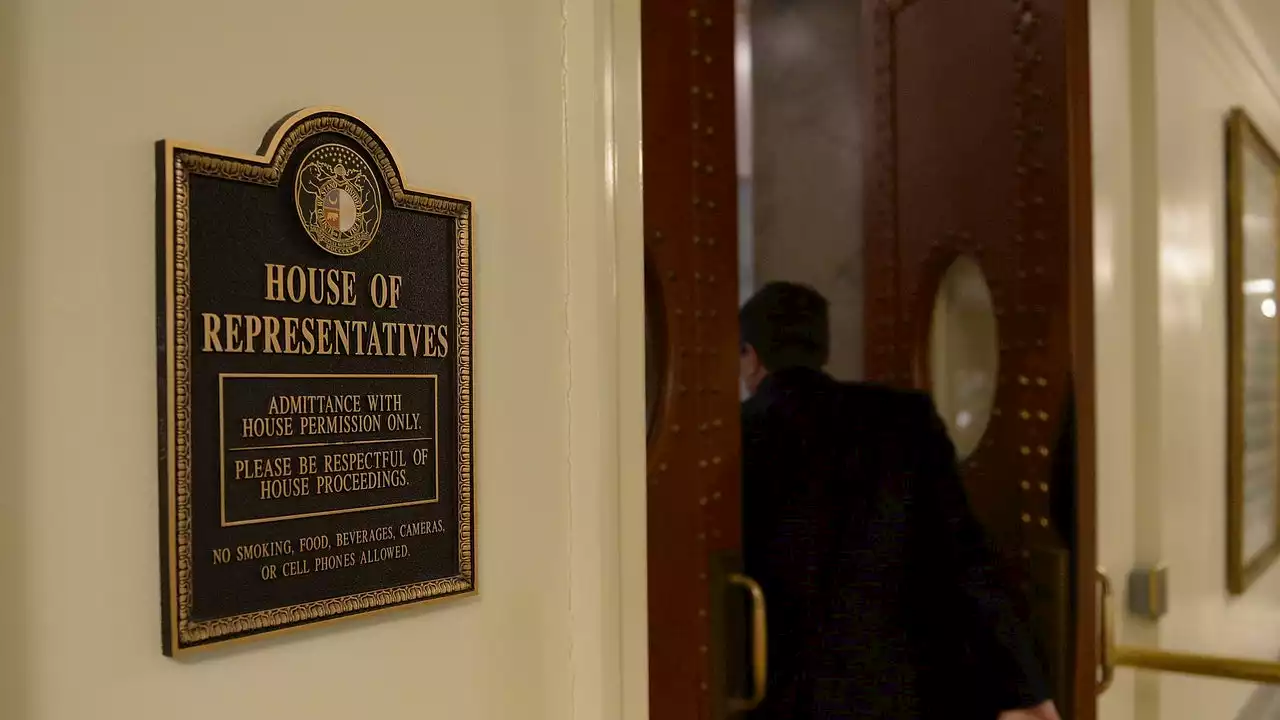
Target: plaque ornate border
column 178, row 162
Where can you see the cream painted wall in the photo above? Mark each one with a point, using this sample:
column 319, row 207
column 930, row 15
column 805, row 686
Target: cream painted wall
column 528, row 106
column 1165, row 75
column 1203, row 70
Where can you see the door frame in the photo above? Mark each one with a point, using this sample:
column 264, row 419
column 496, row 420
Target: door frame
column 604, row 346
column 605, row 296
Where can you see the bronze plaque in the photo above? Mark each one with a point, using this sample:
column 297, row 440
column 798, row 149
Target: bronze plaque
column 315, row 384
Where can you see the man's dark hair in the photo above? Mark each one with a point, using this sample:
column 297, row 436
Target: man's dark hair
column 787, row 325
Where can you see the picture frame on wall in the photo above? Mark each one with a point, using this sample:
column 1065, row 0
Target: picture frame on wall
column 1253, row 271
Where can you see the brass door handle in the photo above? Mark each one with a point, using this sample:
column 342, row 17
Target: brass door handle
column 1112, row 656
column 759, row 645
column 1106, row 629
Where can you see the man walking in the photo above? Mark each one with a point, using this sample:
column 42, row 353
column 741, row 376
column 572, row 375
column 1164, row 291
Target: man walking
column 884, row 598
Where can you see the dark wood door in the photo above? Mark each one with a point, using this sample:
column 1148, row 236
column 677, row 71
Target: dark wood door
column 977, row 142
column 978, row 145
column 690, row 217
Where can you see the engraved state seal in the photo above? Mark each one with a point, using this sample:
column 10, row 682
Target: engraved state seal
column 337, row 199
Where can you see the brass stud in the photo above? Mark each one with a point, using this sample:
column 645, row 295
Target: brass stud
column 694, row 52
column 695, row 90
column 1044, row 522
column 716, row 495
column 1044, row 451
column 1044, row 487
column 662, row 467
column 675, row 428
column 716, row 422
column 702, row 612
column 702, row 463
column 1026, row 450
column 711, row 130
column 710, row 95
column 1026, row 485
column 706, row 59
column 1026, row 415
column 1044, row 416
column 693, row 13
column 702, row 649
column 1026, row 517
column 702, row 501
column 1042, row 382
column 706, row 22
column 715, row 460
column 1024, row 380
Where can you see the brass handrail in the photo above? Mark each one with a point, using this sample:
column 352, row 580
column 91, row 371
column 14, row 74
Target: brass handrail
column 1216, row 666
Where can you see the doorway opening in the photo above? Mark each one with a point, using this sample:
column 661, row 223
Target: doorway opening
column 900, row 158
column 799, row 158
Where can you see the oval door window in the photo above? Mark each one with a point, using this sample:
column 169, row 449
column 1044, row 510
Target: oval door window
column 963, row 353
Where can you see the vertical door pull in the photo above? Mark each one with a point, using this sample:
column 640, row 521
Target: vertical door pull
column 759, row 644
column 1106, row 629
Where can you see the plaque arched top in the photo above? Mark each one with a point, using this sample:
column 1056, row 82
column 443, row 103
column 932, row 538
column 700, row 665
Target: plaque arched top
column 278, row 146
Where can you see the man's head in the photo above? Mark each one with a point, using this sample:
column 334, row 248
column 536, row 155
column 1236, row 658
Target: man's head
column 783, row 325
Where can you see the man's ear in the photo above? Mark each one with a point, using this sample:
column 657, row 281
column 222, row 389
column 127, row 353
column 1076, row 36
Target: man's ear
column 751, row 369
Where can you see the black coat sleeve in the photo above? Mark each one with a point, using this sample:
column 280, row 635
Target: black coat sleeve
column 1001, row 645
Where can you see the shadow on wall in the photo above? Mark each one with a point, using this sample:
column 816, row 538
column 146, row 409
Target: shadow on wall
column 13, row 680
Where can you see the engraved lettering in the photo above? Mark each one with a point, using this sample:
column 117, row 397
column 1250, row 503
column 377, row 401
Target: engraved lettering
column 212, row 323
column 275, row 283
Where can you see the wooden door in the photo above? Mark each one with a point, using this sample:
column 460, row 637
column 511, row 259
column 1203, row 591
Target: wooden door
column 690, row 217
column 978, row 144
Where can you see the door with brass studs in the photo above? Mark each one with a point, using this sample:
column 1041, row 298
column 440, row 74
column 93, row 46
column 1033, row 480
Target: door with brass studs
column 690, row 217
column 979, row 276
column 978, row 272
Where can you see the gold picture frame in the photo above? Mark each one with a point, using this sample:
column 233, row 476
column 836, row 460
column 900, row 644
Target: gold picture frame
column 1253, row 270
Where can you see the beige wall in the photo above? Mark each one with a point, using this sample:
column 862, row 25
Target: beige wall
column 1165, row 75
column 500, row 100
